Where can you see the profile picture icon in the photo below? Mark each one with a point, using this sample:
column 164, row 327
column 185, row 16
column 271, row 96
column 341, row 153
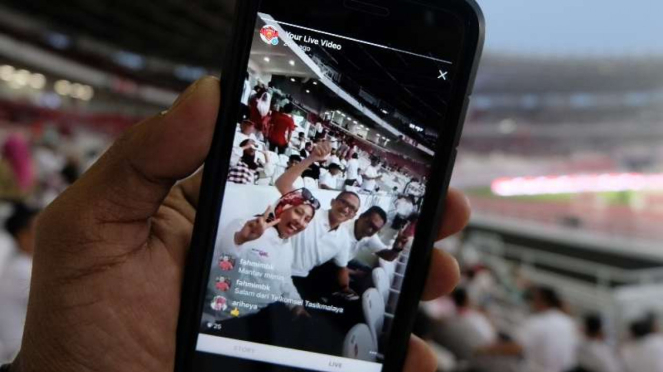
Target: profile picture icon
column 219, row 303
column 226, row 263
column 269, row 35
column 222, row 283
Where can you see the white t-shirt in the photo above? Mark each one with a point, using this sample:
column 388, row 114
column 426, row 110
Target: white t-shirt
column 14, row 291
column 328, row 179
column 369, row 185
column 369, row 245
column 319, row 128
column 353, row 169
column 269, row 256
column 477, row 321
column 597, row 356
column 332, row 159
column 316, row 245
column 550, row 341
column 645, row 355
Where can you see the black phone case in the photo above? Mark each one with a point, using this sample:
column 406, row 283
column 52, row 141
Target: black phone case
column 216, row 171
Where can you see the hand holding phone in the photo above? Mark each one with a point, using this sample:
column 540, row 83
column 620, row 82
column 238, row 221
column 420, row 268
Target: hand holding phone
column 155, row 242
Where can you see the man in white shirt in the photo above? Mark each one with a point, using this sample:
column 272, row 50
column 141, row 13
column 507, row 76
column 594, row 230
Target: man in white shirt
column 297, row 143
column 15, row 281
column 404, row 209
column 547, row 340
column 645, row 352
column 371, row 175
column 595, row 355
column 332, row 159
column 468, row 330
column 366, row 248
column 352, row 170
column 365, row 240
column 331, row 179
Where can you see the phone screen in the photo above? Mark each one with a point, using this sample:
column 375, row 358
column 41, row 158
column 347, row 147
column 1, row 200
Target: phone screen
column 340, row 115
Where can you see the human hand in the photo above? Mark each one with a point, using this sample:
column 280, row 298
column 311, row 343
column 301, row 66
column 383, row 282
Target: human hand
column 111, row 250
column 320, row 151
column 254, row 229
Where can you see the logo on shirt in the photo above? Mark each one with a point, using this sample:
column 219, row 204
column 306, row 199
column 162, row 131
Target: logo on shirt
column 269, row 35
column 260, row 253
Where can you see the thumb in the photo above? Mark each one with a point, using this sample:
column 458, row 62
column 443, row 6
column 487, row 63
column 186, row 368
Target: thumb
column 131, row 180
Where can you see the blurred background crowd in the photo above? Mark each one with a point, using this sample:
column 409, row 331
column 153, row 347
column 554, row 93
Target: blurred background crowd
column 562, row 159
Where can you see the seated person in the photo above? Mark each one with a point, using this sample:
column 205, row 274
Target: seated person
column 332, row 159
column 246, row 132
column 298, row 142
column 245, row 171
column 261, row 244
column 331, row 179
column 306, row 151
column 594, row 353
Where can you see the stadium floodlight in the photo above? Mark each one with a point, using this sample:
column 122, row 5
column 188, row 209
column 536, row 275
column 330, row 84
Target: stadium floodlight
column 62, row 87
column 7, row 72
column 266, row 59
column 37, row 81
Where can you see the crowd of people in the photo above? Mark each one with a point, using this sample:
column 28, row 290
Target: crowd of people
column 268, row 131
column 548, row 339
column 301, row 259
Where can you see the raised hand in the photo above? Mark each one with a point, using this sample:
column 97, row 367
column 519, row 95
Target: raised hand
column 254, row 229
column 321, row 151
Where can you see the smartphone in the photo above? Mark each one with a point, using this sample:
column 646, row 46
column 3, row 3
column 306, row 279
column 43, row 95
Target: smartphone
column 313, row 258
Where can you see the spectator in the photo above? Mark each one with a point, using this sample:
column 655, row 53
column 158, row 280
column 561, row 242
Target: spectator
column 468, row 330
column 595, row 355
column 404, row 208
column 282, row 127
column 247, row 130
column 371, row 175
column 352, row 171
column 319, row 131
column 331, row 179
column 332, row 159
column 645, row 351
column 366, row 244
column 293, row 160
column 306, row 151
column 15, row 280
column 298, row 142
column 415, row 189
column 547, row 339
column 244, row 171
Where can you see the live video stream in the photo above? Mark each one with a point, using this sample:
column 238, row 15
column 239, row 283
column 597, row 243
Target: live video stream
column 327, row 176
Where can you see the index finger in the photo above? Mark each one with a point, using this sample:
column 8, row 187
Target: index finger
column 273, row 223
column 267, row 212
